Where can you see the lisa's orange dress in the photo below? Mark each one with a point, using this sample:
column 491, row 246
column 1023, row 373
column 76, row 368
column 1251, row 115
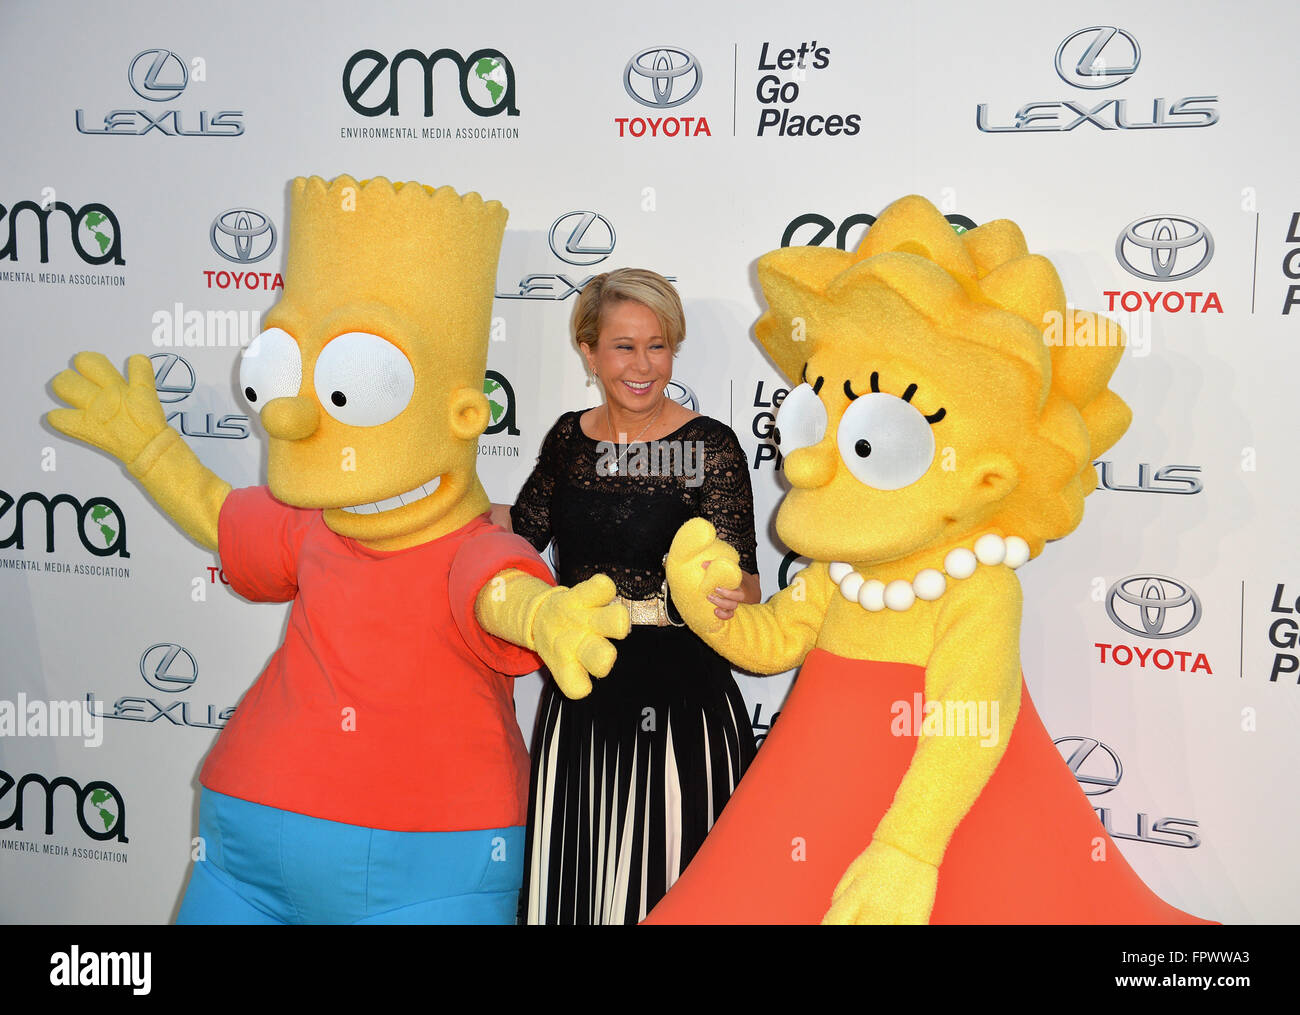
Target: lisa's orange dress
column 1029, row 850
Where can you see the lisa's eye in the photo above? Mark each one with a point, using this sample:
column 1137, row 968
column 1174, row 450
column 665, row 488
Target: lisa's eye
column 271, row 367
column 801, row 420
column 885, row 442
column 363, row 380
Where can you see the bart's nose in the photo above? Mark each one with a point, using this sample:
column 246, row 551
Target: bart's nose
column 291, row 419
column 809, row 468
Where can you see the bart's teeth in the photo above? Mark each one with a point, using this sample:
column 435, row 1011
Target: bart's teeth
column 401, row 500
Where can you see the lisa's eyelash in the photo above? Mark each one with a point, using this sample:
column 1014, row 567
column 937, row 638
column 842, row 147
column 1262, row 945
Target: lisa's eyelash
column 804, row 377
column 933, row 417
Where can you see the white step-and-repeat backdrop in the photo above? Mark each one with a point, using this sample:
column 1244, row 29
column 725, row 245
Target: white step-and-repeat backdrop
column 1148, row 151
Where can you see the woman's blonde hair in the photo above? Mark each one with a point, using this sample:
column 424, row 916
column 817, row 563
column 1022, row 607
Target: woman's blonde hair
column 639, row 285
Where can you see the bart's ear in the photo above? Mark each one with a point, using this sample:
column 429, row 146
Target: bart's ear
column 992, row 479
column 468, row 413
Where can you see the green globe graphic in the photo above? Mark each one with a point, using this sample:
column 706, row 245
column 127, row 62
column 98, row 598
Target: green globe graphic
column 488, row 78
column 496, row 399
column 96, row 810
column 101, row 525
column 97, row 232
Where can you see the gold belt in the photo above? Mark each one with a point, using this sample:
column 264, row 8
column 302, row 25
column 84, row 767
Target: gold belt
column 652, row 612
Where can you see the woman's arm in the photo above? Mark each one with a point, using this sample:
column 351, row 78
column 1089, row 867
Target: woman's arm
column 500, row 515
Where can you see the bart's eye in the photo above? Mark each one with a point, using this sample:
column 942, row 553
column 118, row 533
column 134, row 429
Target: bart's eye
column 885, row 442
column 271, row 367
column 801, row 420
column 363, row 380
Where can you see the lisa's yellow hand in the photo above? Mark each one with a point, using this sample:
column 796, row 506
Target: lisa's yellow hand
column 691, row 582
column 571, row 631
column 114, row 414
column 884, row 885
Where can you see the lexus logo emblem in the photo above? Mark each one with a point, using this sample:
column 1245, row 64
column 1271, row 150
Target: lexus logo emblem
column 1092, row 763
column 1153, row 606
column 662, row 77
column 242, row 235
column 158, row 75
column 173, row 377
column 168, row 667
column 1098, row 57
column 1164, row 243
column 589, row 240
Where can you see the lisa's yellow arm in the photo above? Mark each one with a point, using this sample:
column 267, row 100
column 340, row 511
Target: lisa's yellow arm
column 768, row 637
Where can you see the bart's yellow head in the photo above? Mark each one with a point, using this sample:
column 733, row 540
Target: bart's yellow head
column 932, row 403
column 369, row 374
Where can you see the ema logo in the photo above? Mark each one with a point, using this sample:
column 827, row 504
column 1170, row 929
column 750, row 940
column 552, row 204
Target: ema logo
column 487, row 81
column 501, row 404
column 1095, row 58
column 160, row 75
column 100, row 524
column 1155, row 607
column 662, row 77
column 100, row 809
column 1164, row 248
column 93, row 229
column 1098, row 770
column 825, row 226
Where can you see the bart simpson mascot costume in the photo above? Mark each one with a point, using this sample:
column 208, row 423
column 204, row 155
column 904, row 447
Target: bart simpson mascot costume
column 375, row 771
column 934, row 443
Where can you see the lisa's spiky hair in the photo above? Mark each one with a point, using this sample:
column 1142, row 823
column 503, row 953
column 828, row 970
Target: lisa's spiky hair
column 985, row 300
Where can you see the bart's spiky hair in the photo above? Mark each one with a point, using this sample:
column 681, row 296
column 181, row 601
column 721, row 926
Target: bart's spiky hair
column 985, row 298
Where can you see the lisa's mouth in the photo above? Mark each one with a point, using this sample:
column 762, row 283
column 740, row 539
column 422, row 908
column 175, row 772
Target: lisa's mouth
column 401, row 500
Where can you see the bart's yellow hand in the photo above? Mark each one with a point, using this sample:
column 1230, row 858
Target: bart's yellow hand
column 571, row 631
column 109, row 412
column 691, row 582
column 884, row 885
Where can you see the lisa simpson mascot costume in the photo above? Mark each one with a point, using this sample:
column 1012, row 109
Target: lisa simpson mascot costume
column 934, row 443
column 375, row 771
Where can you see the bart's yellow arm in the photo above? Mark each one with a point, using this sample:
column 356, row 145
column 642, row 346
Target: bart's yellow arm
column 975, row 659
column 125, row 418
column 766, row 637
column 569, row 628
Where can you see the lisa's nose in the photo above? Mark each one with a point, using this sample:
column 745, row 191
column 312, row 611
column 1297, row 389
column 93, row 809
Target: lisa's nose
column 291, row 419
column 812, row 467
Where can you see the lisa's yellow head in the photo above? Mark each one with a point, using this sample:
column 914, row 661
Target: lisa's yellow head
column 929, row 405
column 369, row 374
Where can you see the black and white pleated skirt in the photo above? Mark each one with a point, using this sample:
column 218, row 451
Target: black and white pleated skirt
column 627, row 782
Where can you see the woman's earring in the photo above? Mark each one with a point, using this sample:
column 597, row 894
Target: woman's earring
column 591, row 380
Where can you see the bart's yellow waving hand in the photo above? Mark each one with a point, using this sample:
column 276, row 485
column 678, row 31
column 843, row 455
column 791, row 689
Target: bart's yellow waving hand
column 934, row 441
column 389, row 706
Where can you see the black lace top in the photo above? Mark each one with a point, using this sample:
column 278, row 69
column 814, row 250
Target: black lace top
column 614, row 509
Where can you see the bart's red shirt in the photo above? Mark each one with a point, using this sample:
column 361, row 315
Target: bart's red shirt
column 387, row 705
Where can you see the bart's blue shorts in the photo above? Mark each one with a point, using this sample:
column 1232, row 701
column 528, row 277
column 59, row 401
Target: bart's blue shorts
column 267, row 866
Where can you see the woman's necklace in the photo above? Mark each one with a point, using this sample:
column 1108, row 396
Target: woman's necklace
column 620, row 462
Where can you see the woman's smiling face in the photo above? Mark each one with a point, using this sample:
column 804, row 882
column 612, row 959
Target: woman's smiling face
column 632, row 358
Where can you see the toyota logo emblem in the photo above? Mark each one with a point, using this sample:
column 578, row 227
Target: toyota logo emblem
column 655, row 75
column 1165, row 242
column 1092, row 763
column 1103, row 56
column 1149, row 599
column 586, row 242
column 242, row 235
column 158, row 75
column 682, row 395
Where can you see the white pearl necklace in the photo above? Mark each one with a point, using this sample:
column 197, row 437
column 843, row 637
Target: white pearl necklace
column 929, row 584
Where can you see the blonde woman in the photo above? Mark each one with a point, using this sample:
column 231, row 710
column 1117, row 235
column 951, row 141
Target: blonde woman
column 628, row 779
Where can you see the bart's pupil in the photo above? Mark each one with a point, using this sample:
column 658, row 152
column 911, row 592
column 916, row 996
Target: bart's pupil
column 250, row 394
column 862, row 448
column 339, row 399
column 776, row 435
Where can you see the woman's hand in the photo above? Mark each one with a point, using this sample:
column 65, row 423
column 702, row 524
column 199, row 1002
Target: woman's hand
column 725, row 601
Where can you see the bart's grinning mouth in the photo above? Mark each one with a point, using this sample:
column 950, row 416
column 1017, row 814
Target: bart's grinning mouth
column 401, row 500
